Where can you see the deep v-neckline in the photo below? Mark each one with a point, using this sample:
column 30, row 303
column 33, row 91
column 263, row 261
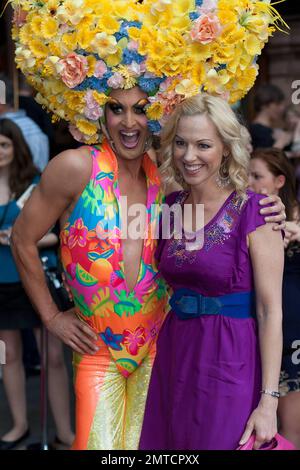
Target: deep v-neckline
column 121, row 251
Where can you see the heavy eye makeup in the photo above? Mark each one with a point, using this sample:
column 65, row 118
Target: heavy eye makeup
column 115, row 107
column 138, row 108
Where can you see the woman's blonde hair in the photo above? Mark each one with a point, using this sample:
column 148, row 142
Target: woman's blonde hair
column 229, row 129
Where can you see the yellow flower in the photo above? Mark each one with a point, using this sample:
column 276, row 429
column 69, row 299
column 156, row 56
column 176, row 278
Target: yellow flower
column 84, row 37
column 114, row 59
column 75, row 100
column 49, row 27
column 221, row 55
column 215, row 81
column 104, row 44
column 134, row 33
column 101, row 98
column 155, row 111
column 70, row 11
column 69, row 40
column 86, row 127
column 38, row 48
column 253, row 45
column 108, row 24
column 200, row 52
column 198, row 73
column 55, row 48
column 245, row 80
column 24, row 58
column 25, row 34
column 52, row 6
column 231, row 34
column 91, row 60
column 130, row 80
column 187, row 88
column 226, row 16
column 36, row 24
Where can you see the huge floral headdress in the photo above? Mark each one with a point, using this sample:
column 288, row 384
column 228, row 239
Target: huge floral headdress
column 75, row 52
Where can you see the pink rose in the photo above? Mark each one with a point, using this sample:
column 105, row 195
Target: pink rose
column 100, row 69
column 206, row 29
column 74, row 69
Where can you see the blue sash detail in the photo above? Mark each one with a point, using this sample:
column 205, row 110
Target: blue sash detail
column 187, row 304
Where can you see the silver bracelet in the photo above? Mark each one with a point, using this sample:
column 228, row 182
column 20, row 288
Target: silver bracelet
column 271, row 392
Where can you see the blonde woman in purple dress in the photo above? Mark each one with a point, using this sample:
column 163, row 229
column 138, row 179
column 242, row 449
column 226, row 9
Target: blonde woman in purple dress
column 216, row 373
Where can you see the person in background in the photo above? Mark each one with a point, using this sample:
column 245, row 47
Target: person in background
column 35, row 111
column 269, row 105
column 18, row 175
column 270, row 170
column 293, row 123
column 36, row 140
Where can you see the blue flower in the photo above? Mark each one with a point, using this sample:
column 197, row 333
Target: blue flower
column 120, row 36
column 199, row 3
column 113, row 341
column 93, row 83
column 149, row 85
column 154, row 126
column 123, row 29
column 132, row 56
column 131, row 24
column 194, row 15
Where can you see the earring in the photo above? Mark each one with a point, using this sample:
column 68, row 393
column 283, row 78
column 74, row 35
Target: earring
column 223, row 178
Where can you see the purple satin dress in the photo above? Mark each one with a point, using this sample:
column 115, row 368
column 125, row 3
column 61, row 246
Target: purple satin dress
column 206, row 377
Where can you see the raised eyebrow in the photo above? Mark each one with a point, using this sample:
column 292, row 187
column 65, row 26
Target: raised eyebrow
column 141, row 103
column 114, row 101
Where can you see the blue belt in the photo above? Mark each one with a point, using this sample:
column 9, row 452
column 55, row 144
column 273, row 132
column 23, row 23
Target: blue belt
column 188, row 304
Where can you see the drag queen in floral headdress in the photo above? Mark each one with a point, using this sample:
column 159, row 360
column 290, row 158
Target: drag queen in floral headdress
column 115, row 71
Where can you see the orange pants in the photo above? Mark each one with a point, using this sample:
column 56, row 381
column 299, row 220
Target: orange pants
column 109, row 407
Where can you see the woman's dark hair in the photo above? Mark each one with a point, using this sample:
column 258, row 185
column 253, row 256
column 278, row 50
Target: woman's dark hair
column 267, row 94
column 22, row 169
column 278, row 164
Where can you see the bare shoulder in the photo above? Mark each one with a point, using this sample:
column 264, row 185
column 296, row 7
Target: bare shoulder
column 68, row 173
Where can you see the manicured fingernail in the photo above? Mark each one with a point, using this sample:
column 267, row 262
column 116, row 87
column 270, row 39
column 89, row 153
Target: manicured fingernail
column 267, row 219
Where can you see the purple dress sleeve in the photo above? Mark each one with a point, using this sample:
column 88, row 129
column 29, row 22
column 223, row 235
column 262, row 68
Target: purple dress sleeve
column 251, row 218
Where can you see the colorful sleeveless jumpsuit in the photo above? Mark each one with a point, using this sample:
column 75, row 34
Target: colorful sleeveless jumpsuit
column 111, row 385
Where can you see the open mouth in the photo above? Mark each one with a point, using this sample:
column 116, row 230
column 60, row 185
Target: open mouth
column 130, row 139
column 192, row 169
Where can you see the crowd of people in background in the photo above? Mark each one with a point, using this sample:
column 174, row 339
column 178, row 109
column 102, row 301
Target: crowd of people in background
column 28, row 140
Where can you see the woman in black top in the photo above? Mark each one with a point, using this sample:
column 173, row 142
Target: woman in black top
column 269, row 105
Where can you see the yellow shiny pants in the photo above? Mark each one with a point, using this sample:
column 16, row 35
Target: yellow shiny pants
column 109, row 407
